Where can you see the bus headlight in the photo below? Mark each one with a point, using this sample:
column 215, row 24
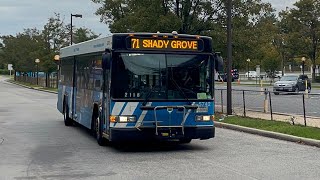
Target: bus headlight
column 205, row 118
column 123, row 119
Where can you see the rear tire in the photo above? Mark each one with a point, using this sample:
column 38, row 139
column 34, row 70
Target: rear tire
column 67, row 120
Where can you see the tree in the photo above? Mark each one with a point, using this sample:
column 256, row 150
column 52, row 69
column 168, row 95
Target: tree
column 302, row 23
column 253, row 21
column 83, row 34
column 21, row 50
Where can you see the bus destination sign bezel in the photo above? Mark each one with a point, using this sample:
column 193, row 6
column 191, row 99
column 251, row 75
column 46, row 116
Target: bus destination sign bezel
column 168, row 44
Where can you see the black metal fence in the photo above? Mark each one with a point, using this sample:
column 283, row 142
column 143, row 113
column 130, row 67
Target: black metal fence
column 299, row 108
column 48, row 81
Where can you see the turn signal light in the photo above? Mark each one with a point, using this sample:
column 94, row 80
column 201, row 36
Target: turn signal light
column 113, row 119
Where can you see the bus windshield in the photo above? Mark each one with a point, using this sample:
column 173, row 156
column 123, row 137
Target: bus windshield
column 160, row 76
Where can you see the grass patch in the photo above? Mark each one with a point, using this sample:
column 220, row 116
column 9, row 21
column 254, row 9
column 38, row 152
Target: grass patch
column 275, row 126
column 33, row 86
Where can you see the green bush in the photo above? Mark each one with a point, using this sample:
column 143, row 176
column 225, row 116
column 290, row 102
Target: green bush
column 317, row 79
column 4, row 71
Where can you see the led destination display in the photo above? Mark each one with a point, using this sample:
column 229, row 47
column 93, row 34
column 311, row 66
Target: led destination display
column 166, row 44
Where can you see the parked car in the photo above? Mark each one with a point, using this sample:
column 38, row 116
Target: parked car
column 292, row 83
column 278, row 74
column 223, row 77
column 275, row 74
column 251, row 74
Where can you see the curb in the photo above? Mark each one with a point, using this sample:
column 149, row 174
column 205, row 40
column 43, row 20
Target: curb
column 13, row 82
column 275, row 135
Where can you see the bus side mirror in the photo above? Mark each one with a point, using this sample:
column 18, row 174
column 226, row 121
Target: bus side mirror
column 106, row 60
column 218, row 63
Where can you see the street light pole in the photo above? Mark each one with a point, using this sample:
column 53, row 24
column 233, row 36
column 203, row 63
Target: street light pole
column 71, row 32
column 248, row 61
column 303, row 59
column 37, row 61
column 229, row 57
column 57, row 60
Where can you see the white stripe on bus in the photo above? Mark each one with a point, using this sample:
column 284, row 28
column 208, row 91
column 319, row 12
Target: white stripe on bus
column 130, row 108
column 117, row 108
column 142, row 116
column 121, row 125
column 188, row 112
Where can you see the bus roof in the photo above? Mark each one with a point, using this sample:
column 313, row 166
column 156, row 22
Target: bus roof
column 91, row 46
column 100, row 44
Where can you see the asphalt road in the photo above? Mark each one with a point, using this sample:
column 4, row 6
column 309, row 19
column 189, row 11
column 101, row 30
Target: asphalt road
column 35, row 144
column 287, row 103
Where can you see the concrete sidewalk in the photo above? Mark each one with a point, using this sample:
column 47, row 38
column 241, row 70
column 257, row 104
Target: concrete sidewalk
column 25, row 86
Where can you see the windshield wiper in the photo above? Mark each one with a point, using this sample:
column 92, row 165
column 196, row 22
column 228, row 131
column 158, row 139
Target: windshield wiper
column 179, row 88
column 148, row 95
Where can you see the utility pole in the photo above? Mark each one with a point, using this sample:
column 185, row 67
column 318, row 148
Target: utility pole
column 229, row 58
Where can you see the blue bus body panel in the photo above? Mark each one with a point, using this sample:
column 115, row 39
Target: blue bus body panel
column 64, row 91
column 146, row 118
column 84, row 105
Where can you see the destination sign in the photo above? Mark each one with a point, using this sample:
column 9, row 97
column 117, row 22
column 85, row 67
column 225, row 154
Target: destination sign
column 166, row 44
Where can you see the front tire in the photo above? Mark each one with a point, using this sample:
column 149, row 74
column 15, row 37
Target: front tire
column 98, row 131
column 66, row 118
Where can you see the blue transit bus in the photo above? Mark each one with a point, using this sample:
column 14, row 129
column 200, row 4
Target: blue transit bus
column 140, row 86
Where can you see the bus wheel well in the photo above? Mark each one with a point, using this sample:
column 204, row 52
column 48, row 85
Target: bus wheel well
column 64, row 104
column 95, row 113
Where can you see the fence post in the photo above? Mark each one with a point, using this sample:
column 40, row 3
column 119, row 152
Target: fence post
column 265, row 107
column 222, row 100
column 304, row 111
column 244, row 104
column 270, row 105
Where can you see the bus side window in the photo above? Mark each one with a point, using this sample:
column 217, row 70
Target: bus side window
column 97, row 84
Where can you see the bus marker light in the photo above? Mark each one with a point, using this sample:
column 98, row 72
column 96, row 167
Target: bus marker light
column 113, row 119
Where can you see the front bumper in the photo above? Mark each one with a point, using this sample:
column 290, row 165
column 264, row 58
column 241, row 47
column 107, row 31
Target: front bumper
column 130, row 134
column 285, row 88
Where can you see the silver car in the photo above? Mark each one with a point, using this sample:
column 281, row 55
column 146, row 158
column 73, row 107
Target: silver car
column 292, row 83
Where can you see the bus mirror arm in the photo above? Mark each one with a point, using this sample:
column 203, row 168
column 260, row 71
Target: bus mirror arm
column 106, row 60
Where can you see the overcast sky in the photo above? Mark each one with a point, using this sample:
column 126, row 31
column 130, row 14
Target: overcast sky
column 16, row 15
